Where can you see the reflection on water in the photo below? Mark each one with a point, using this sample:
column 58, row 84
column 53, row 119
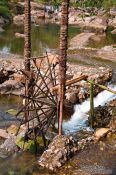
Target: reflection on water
column 45, row 37
column 9, row 102
column 108, row 39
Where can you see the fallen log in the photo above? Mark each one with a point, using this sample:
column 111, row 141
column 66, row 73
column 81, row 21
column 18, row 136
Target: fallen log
column 69, row 82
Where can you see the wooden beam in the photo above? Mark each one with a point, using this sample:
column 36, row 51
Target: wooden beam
column 69, row 82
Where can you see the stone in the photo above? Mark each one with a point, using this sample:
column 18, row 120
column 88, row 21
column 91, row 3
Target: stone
column 80, row 40
column 59, row 151
column 112, row 123
column 19, row 35
column 113, row 31
column 19, row 19
column 9, row 144
column 4, row 134
column 99, row 133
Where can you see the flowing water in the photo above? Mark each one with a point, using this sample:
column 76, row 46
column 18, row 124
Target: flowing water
column 78, row 120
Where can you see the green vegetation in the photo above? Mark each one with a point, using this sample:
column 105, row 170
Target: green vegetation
column 95, row 3
column 4, row 9
column 85, row 3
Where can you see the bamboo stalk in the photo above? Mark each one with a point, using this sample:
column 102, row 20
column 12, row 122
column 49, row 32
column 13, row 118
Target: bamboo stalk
column 103, row 87
column 91, row 103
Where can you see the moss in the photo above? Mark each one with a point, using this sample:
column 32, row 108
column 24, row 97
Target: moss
column 14, row 112
column 29, row 145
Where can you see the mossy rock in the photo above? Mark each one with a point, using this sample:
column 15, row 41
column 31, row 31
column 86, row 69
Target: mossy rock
column 29, row 145
column 13, row 112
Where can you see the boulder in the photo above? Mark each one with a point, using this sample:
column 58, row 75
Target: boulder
column 59, row 151
column 99, row 133
column 81, row 40
column 9, row 146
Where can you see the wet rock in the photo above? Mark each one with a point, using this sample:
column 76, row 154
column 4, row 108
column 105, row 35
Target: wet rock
column 105, row 116
column 112, row 123
column 80, row 90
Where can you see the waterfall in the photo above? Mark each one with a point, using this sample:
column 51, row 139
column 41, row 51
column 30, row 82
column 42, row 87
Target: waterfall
column 79, row 119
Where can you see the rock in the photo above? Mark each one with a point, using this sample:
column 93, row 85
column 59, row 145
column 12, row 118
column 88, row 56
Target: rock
column 2, row 20
column 58, row 152
column 19, row 35
column 19, row 19
column 112, row 22
column 4, row 134
column 112, row 123
column 80, row 40
column 99, row 133
column 9, row 145
column 113, row 11
column 113, row 31
column 1, row 29
column 98, row 38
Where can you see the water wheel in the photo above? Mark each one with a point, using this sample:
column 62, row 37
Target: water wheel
column 41, row 103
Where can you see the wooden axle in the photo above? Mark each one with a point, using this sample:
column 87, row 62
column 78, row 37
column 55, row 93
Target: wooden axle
column 69, row 82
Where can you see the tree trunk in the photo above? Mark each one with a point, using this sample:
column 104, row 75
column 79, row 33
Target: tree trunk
column 27, row 53
column 63, row 59
column 27, row 35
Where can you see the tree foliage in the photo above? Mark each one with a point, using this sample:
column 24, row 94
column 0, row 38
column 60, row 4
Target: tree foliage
column 4, row 9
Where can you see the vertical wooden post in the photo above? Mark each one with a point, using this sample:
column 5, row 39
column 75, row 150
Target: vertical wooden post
column 27, row 50
column 63, row 58
column 91, row 103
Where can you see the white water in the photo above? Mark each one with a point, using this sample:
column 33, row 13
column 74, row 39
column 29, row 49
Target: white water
column 79, row 119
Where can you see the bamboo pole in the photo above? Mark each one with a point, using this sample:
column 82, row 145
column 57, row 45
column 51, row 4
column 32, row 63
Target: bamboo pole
column 91, row 103
column 103, row 87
